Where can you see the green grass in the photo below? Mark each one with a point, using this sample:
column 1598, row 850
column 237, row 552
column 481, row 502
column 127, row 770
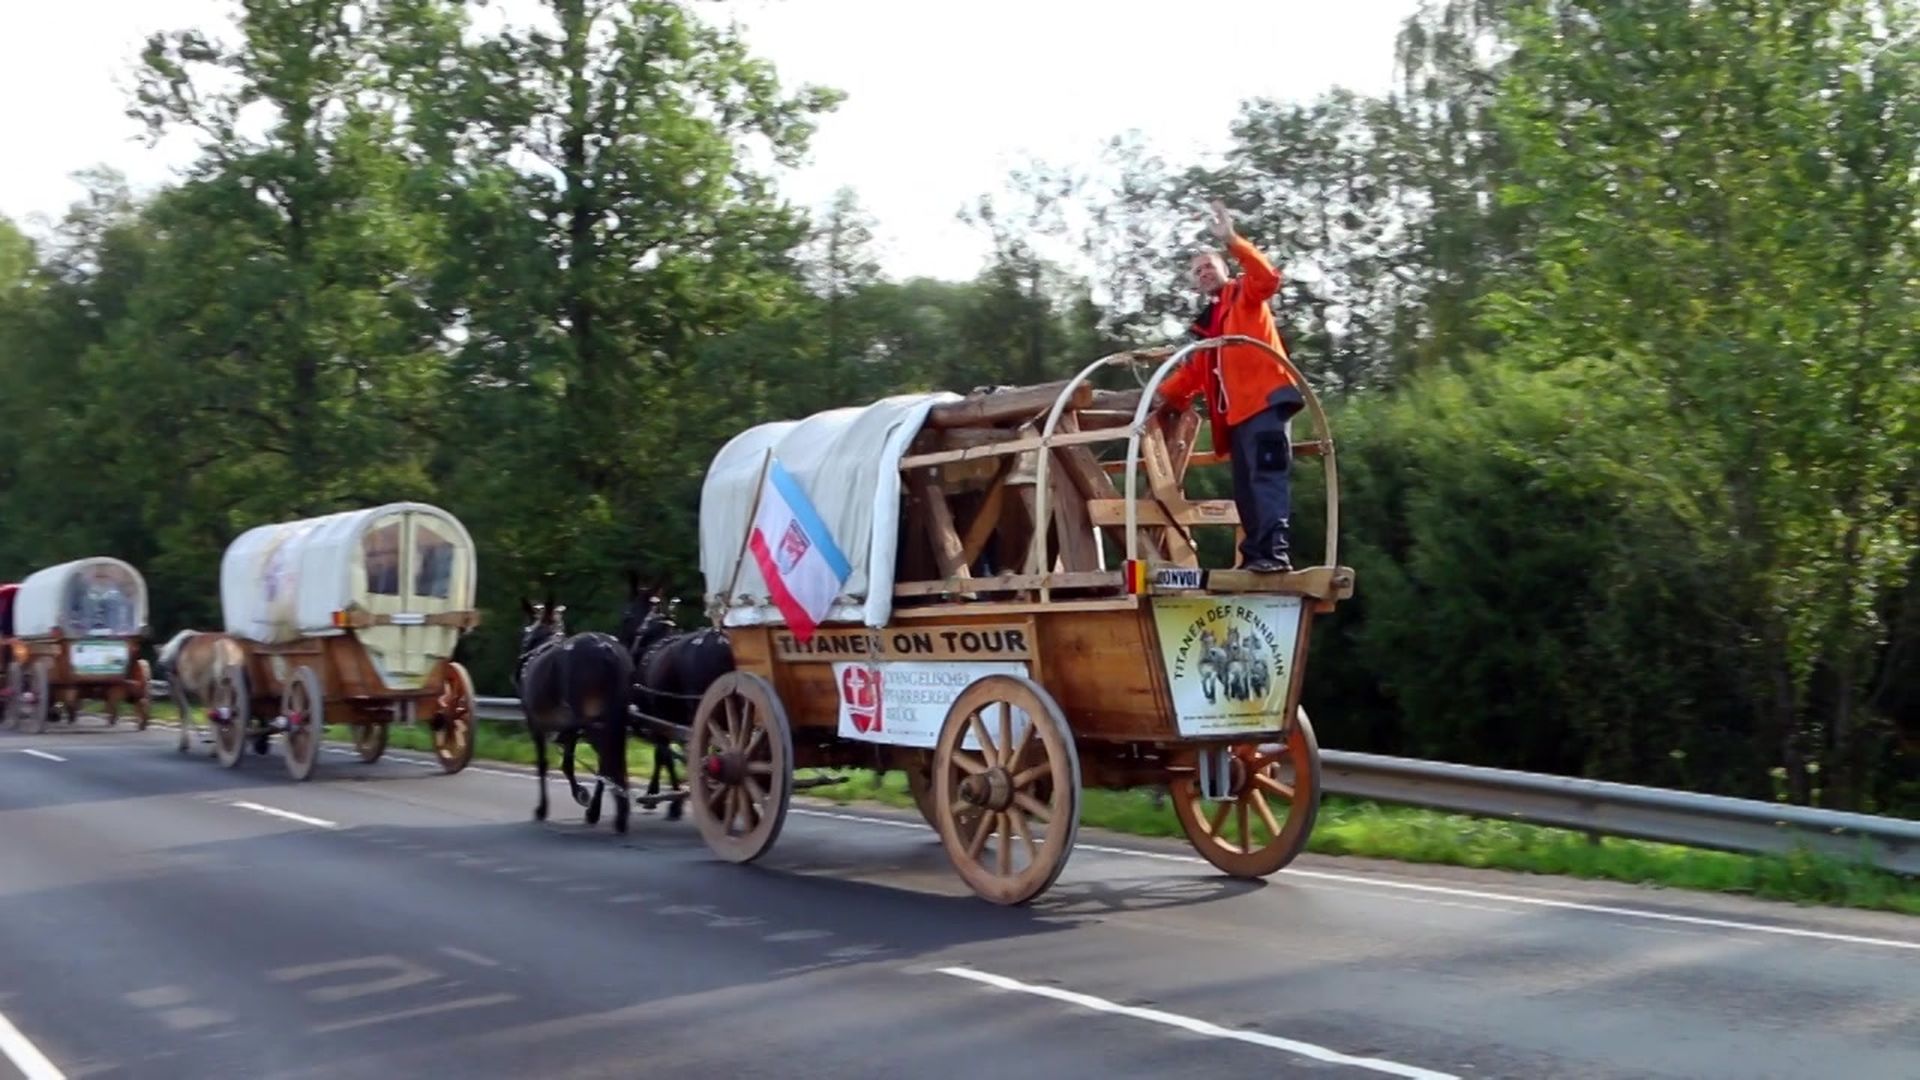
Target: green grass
column 1402, row 834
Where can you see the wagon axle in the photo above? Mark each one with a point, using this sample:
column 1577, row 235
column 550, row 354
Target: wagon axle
column 991, row 790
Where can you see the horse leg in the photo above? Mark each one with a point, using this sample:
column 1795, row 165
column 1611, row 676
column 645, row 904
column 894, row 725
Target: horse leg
column 613, row 766
column 540, row 761
column 663, row 752
column 569, row 742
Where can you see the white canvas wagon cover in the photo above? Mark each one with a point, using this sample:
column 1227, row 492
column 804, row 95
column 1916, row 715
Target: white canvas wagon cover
column 847, row 461
column 93, row 596
column 284, row 581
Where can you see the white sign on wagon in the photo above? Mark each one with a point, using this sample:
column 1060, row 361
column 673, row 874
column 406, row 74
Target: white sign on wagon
column 904, row 702
column 98, row 657
column 1229, row 660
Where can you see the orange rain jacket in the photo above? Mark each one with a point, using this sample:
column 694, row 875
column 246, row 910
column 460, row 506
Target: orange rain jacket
column 1238, row 383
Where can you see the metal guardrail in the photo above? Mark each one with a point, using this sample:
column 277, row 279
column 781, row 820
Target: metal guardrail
column 1593, row 806
column 1598, row 807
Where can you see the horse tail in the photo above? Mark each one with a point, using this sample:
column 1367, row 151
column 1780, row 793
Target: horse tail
column 169, row 654
column 600, row 677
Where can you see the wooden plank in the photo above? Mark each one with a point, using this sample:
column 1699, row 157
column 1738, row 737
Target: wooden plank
column 1092, row 482
column 1016, row 607
column 1317, row 582
column 1181, row 439
column 1112, row 513
column 1006, row 447
column 1078, row 549
column 1126, row 401
column 978, row 410
column 1087, row 579
column 1208, row 457
column 940, row 529
column 987, row 518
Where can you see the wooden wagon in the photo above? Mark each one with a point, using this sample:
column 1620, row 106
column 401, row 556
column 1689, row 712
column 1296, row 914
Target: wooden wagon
column 348, row 619
column 73, row 635
column 1022, row 619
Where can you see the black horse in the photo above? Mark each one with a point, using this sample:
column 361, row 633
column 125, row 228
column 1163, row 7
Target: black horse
column 671, row 669
column 570, row 687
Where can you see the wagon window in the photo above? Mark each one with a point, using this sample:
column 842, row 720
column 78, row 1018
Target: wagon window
column 100, row 599
column 432, row 564
column 381, row 553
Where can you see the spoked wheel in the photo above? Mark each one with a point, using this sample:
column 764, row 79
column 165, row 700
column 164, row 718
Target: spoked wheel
column 453, row 731
column 1265, row 821
column 919, row 770
column 230, row 711
column 740, row 766
column 1020, row 789
column 142, row 689
column 370, row 740
column 34, row 719
column 16, row 694
column 303, row 709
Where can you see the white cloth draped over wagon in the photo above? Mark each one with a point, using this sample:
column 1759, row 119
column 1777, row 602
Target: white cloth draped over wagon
column 848, row 463
column 286, row 581
column 99, row 597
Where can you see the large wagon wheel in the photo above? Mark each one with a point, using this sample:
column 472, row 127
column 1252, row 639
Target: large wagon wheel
column 1013, row 786
column 303, row 708
column 230, row 711
column 453, row 722
column 40, row 702
column 16, row 694
column 919, row 770
column 740, row 766
column 1243, row 835
column 142, row 693
column 370, row 739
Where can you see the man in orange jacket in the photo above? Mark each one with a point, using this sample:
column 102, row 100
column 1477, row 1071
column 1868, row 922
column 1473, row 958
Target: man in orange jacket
column 1250, row 396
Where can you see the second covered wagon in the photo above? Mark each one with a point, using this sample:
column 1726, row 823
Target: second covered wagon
column 349, row 619
column 73, row 635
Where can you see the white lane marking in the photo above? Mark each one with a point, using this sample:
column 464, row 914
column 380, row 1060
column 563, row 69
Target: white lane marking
column 409, row 1014
column 1200, row 1027
column 24, row 1055
column 470, row 957
column 288, row 814
column 44, row 754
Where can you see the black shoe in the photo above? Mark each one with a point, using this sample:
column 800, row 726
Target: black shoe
column 1274, row 565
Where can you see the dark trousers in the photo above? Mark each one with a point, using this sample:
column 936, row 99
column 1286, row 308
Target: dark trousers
column 1262, row 455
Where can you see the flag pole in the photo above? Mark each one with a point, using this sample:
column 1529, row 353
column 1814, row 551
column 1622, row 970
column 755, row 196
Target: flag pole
column 746, row 538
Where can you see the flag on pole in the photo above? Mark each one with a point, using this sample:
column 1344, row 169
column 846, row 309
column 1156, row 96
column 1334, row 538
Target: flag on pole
column 802, row 566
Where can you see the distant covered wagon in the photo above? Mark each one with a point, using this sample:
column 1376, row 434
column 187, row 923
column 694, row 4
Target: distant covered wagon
column 73, row 635
column 347, row 619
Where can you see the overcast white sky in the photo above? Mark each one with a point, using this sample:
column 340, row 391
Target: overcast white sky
column 942, row 97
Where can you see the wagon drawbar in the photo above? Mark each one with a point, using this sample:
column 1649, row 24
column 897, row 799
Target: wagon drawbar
column 1017, row 626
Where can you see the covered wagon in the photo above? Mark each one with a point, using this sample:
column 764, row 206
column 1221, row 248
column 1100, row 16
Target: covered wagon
column 1018, row 617
column 74, row 633
column 348, row 619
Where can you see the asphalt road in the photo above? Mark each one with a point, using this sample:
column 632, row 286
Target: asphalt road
column 162, row 917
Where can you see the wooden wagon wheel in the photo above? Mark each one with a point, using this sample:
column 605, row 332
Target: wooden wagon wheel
column 16, row 691
column 370, row 739
column 303, row 707
column 740, row 766
column 230, row 711
column 919, row 770
column 453, row 729
column 142, row 683
column 1265, row 824
column 1025, row 785
column 40, row 703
